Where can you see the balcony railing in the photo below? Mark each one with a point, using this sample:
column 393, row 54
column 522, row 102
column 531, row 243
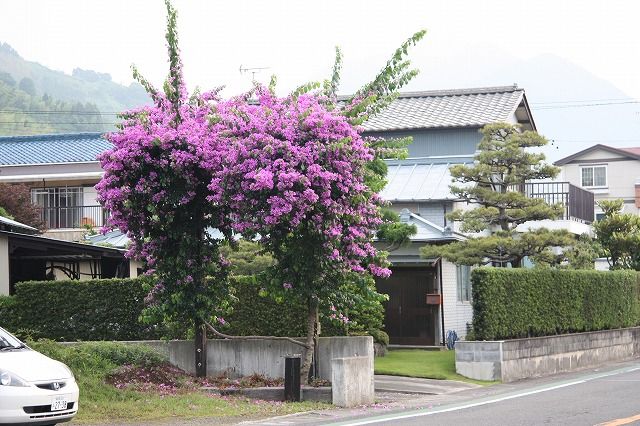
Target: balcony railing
column 73, row 217
column 578, row 203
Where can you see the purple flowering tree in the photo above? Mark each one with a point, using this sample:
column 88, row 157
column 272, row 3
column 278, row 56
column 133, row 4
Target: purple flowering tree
column 294, row 171
column 156, row 187
column 296, row 178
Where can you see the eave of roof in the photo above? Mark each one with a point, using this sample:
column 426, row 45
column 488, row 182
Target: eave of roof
column 15, row 224
column 66, row 244
column 577, row 155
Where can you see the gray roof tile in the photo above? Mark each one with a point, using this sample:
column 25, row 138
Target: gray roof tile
column 448, row 108
column 46, row 149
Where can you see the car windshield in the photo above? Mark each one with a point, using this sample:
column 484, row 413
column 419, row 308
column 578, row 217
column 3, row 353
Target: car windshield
column 8, row 341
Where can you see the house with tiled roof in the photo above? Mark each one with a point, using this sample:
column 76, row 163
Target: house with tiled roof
column 61, row 170
column 610, row 173
column 427, row 297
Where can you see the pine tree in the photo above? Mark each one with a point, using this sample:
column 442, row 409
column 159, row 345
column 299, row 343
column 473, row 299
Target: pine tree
column 493, row 185
column 619, row 235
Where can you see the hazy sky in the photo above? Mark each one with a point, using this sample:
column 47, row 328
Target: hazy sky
column 466, row 44
column 296, row 38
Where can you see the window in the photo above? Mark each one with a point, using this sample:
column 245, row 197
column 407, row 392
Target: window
column 463, row 273
column 59, row 206
column 599, row 216
column 594, row 176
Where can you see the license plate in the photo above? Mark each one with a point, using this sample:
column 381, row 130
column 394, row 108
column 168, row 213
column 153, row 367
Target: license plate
column 59, row 403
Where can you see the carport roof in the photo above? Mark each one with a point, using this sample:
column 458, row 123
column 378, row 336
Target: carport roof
column 46, row 247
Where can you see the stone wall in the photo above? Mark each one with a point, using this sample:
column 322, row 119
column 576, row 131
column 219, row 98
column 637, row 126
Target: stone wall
column 516, row 359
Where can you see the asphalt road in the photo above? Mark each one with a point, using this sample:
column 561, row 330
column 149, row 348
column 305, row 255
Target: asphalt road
column 609, row 398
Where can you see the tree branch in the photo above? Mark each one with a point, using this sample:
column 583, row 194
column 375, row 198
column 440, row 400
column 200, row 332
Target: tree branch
column 226, row 336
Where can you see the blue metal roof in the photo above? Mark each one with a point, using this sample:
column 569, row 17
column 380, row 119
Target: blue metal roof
column 47, row 149
column 421, row 179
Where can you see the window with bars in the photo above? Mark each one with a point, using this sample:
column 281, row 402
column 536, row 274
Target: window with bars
column 463, row 273
column 594, row 176
column 60, row 207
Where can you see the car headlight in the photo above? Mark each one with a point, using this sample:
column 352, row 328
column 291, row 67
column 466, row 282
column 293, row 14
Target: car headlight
column 7, row 378
column 69, row 371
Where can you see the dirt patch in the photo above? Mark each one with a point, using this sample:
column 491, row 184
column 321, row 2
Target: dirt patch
column 167, row 379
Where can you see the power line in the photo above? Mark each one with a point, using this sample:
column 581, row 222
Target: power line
column 53, row 122
column 27, row 112
column 586, row 105
column 597, row 140
column 583, row 100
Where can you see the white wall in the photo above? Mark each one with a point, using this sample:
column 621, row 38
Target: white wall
column 621, row 178
column 85, row 271
column 456, row 314
column 133, row 267
column 4, row 265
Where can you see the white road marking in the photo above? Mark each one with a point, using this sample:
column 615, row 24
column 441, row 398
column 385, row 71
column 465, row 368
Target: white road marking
column 391, row 417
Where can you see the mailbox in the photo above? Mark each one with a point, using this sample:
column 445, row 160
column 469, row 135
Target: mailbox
column 434, row 299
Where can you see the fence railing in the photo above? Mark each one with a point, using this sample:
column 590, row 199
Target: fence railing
column 578, row 203
column 73, row 217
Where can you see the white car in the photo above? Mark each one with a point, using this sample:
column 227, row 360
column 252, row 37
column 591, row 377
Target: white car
column 34, row 389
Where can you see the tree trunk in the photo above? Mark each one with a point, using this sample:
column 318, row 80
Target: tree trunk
column 312, row 334
column 201, row 350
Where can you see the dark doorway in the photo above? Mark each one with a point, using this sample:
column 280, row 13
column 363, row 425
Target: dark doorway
column 409, row 320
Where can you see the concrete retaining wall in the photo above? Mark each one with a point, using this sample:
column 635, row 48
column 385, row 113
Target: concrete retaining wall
column 510, row 360
column 239, row 358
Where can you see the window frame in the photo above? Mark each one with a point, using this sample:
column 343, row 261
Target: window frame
column 593, row 175
column 463, row 283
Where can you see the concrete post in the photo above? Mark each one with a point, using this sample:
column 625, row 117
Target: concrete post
column 352, row 381
column 4, row 265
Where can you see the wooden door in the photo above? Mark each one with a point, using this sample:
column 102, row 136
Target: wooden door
column 408, row 318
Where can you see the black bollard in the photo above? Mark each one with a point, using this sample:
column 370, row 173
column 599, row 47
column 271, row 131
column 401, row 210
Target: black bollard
column 292, row 378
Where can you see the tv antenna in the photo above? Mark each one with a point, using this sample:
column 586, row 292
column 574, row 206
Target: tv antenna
column 253, row 71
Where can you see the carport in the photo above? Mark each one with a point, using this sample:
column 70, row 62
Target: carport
column 26, row 257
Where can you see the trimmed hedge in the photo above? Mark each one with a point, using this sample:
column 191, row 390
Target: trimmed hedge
column 80, row 310
column 515, row 303
column 255, row 315
column 110, row 310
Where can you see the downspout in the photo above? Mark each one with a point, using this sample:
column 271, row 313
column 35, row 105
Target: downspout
column 441, row 299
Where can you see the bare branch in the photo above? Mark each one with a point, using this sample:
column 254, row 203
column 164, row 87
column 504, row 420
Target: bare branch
column 227, row 336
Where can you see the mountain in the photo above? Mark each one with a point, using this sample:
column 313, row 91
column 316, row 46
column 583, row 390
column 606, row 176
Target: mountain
column 85, row 92
column 22, row 112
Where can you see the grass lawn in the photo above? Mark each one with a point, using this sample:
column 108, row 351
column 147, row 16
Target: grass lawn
column 155, row 393
column 144, row 406
column 439, row 365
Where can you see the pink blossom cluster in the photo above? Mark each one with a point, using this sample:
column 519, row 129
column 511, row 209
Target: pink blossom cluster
column 295, row 166
column 273, row 168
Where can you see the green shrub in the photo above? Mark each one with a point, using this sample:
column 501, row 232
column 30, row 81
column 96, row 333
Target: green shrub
column 379, row 336
column 82, row 310
column 254, row 313
column 7, row 313
column 514, row 303
column 110, row 310
column 98, row 358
